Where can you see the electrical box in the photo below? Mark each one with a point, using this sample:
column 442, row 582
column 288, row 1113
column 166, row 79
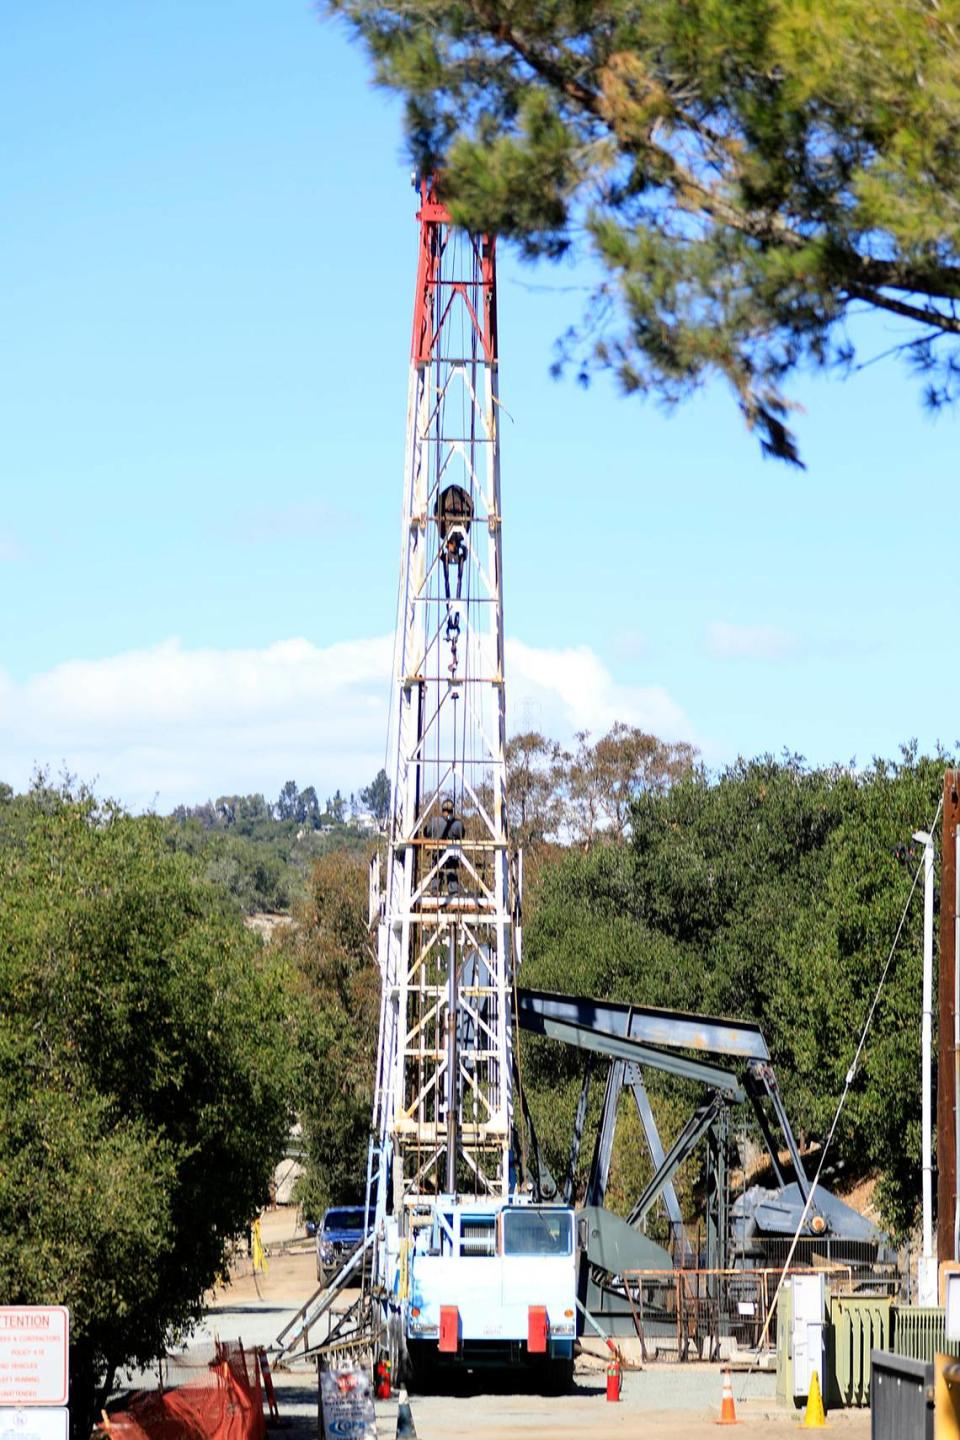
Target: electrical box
column 951, row 1284
column 807, row 1331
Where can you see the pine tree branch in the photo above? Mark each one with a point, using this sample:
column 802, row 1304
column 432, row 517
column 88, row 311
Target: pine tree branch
column 543, row 65
column 894, row 275
column 925, row 315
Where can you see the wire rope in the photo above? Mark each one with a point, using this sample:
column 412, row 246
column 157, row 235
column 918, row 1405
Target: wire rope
column 848, row 1082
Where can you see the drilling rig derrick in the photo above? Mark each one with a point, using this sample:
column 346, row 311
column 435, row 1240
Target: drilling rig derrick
column 447, row 935
column 467, row 1266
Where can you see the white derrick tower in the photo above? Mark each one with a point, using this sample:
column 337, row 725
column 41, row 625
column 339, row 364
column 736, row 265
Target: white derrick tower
column 448, row 938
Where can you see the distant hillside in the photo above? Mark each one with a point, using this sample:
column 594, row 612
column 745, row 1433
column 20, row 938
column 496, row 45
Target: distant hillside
column 261, row 855
column 258, row 855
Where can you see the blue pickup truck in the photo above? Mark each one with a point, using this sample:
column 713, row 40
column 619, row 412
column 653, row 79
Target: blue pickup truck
column 339, row 1233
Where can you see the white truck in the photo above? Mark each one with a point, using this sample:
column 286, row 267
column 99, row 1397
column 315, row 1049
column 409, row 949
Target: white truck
column 478, row 1284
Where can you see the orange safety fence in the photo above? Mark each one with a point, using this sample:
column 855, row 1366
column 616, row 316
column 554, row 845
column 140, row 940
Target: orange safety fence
column 218, row 1398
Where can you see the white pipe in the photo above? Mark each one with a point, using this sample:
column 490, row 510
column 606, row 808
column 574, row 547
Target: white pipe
column 927, row 1273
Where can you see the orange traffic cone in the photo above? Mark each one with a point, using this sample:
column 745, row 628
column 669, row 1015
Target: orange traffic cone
column 728, row 1411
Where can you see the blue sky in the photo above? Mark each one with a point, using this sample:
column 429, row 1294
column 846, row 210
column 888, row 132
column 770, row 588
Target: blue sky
column 207, row 251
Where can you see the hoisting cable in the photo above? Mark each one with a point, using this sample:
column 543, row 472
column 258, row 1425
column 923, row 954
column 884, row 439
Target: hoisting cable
column 848, row 1082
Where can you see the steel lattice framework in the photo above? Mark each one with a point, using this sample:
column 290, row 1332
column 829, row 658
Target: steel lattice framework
column 448, row 937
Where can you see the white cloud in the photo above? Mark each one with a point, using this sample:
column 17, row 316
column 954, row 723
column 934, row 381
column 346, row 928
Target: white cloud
column 174, row 724
column 749, row 642
column 562, row 691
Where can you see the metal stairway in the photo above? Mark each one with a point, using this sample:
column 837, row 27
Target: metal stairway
column 352, row 1331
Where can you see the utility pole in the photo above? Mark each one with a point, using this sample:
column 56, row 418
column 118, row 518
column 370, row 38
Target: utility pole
column 948, row 1049
column 927, row 1270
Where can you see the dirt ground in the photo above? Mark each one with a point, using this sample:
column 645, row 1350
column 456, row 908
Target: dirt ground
column 290, row 1275
column 585, row 1414
column 652, row 1405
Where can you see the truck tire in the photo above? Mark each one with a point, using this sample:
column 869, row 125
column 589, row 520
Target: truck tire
column 418, row 1366
column 396, row 1351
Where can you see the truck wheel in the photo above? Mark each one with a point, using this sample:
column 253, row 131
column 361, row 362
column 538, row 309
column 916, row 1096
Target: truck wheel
column 417, row 1367
column 396, row 1352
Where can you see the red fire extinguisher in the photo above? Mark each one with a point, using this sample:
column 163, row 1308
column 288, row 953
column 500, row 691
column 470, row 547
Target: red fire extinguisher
column 614, row 1380
column 382, row 1383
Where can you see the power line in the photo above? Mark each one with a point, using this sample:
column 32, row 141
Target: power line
column 850, row 1076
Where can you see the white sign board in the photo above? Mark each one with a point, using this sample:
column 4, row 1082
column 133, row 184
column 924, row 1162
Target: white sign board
column 346, row 1399
column 33, row 1355
column 37, row 1423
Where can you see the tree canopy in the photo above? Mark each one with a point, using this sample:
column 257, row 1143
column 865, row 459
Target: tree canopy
column 586, row 794
column 262, row 855
column 773, row 892
column 330, row 950
column 376, row 797
column 146, row 1079
column 748, row 176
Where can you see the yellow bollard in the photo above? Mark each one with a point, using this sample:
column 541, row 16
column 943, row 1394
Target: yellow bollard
column 946, row 1392
column 814, row 1419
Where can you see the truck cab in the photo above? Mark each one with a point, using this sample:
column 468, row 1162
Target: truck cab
column 488, row 1283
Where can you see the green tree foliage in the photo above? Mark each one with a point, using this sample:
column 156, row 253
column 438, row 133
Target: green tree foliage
column 337, row 808
column 256, row 871
column 145, row 1078
column 601, row 781
column 534, row 787
column 748, row 176
column 288, row 801
column 587, row 795
column 376, row 797
column 308, row 809
column 331, row 953
column 242, row 812
column 772, row 892
column 261, row 856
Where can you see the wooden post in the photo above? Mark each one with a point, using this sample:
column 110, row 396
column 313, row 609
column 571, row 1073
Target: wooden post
column 948, row 1057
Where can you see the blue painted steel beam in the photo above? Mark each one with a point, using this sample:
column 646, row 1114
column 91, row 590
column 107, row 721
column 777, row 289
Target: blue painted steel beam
column 634, row 1078
column 673, row 1028
column 685, row 1143
column 601, row 1043
column 603, row 1150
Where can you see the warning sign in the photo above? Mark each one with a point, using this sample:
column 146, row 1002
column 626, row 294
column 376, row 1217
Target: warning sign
column 346, row 1399
column 33, row 1354
column 34, row 1424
